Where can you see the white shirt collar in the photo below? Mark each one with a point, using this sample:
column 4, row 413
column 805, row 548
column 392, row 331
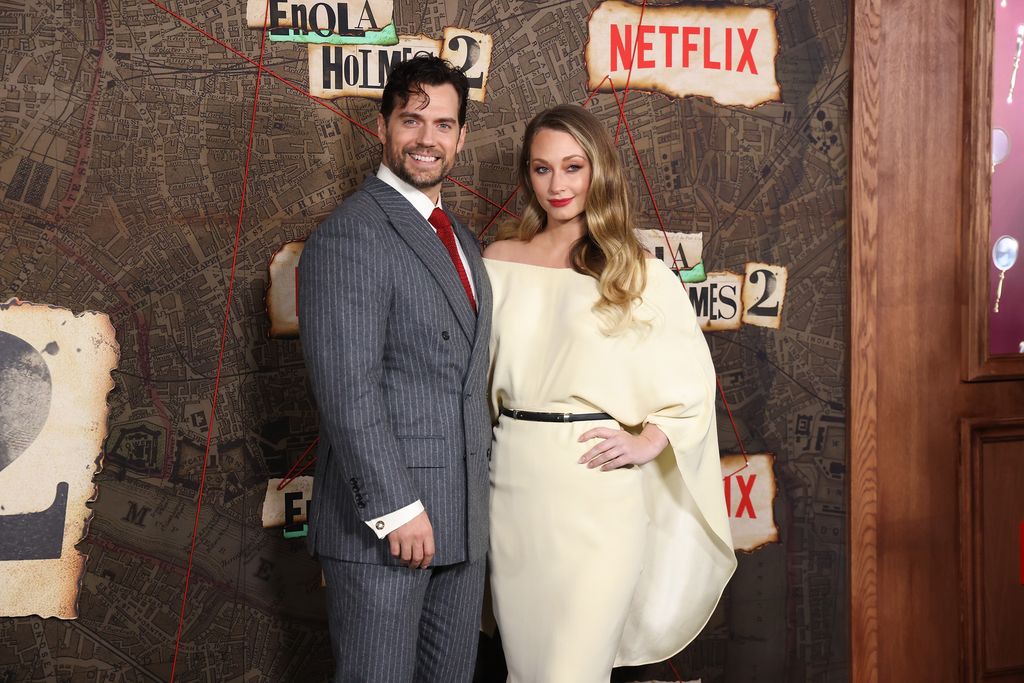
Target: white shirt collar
column 419, row 201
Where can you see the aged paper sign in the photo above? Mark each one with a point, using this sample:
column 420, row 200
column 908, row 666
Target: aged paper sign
column 764, row 292
column 340, row 17
column 716, row 301
column 54, row 378
column 362, row 70
column 750, row 490
column 726, row 301
column 385, row 36
column 470, row 53
column 283, row 291
column 287, row 505
column 676, row 249
column 725, row 52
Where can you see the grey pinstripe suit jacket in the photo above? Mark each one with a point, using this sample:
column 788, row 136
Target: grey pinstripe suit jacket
column 398, row 363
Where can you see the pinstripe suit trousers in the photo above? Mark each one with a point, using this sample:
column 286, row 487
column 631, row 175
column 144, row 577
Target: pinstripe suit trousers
column 393, row 624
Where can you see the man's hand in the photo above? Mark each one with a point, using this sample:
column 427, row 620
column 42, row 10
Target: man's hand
column 413, row 542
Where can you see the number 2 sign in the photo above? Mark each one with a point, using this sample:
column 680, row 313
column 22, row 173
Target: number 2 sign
column 54, row 378
column 764, row 290
column 470, row 53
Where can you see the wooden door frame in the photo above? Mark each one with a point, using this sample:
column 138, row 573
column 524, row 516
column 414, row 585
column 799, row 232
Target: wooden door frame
column 863, row 416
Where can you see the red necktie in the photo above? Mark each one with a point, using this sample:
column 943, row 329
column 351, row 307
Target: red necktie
column 444, row 230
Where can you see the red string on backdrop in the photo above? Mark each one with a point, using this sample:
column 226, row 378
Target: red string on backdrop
column 498, row 213
column 501, row 207
column 292, row 474
column 674, row 671
column 643, row 172
column 629, row 74
column 735, row 429
column 594, row 91
column 223, row 341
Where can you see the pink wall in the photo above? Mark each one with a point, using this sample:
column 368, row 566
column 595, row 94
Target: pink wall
column 1006, row 328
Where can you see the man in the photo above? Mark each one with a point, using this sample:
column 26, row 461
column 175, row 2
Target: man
column 395, row 320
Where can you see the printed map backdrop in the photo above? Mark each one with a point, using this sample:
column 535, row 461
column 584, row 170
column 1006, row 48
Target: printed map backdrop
column 132, row 128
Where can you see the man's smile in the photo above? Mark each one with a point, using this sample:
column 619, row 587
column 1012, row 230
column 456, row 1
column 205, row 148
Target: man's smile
column 424, row 158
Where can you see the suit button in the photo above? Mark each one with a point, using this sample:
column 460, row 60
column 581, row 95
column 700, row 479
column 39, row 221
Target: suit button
column 445, row 335
column 379, row 525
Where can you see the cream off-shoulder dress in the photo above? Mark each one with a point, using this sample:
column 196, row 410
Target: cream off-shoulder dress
column 592, row 569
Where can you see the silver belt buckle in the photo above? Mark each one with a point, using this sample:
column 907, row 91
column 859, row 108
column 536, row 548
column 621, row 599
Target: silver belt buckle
column 566, row 416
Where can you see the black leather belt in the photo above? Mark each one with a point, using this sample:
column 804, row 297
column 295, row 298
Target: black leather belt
column 553, row 417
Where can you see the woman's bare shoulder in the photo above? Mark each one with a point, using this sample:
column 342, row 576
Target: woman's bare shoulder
column 504, row 250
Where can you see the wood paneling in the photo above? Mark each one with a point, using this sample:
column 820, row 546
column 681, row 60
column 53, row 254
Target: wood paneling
column 991, row 512
column 908, row 335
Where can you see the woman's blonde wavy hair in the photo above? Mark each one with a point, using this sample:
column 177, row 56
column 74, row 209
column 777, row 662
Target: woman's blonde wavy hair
column 609, row 249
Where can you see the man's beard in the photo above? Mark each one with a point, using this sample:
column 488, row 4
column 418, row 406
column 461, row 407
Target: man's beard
column 397, row 165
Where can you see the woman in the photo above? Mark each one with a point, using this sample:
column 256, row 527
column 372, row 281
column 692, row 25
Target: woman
column 610, row 542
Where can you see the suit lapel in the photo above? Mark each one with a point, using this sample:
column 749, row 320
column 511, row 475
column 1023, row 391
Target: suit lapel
column 471, row 247
column 417, row 233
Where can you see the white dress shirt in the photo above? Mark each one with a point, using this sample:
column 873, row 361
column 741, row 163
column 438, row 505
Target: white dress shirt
column 385, row 524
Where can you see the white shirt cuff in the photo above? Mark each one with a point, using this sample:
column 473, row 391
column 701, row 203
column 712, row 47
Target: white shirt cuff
column 385, row 524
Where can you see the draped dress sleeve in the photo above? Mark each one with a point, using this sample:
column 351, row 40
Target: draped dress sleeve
column 666, row 377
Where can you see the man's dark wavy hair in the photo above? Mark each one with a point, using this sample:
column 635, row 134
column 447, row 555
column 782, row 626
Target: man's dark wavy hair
column 408, row 78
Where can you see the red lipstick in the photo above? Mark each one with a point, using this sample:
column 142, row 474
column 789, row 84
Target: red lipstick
column 560, row 202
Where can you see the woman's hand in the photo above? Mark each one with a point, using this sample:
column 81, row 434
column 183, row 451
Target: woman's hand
column 620, row 448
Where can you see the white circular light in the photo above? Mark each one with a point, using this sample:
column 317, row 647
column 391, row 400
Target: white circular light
column 1000, row 146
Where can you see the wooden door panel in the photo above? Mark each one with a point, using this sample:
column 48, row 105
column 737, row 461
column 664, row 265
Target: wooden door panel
column 991, row 515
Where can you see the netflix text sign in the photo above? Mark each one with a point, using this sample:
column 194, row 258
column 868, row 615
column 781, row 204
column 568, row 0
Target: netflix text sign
column 362, row 70
column 725, row 52
column 750, row 490
column 54, row 378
